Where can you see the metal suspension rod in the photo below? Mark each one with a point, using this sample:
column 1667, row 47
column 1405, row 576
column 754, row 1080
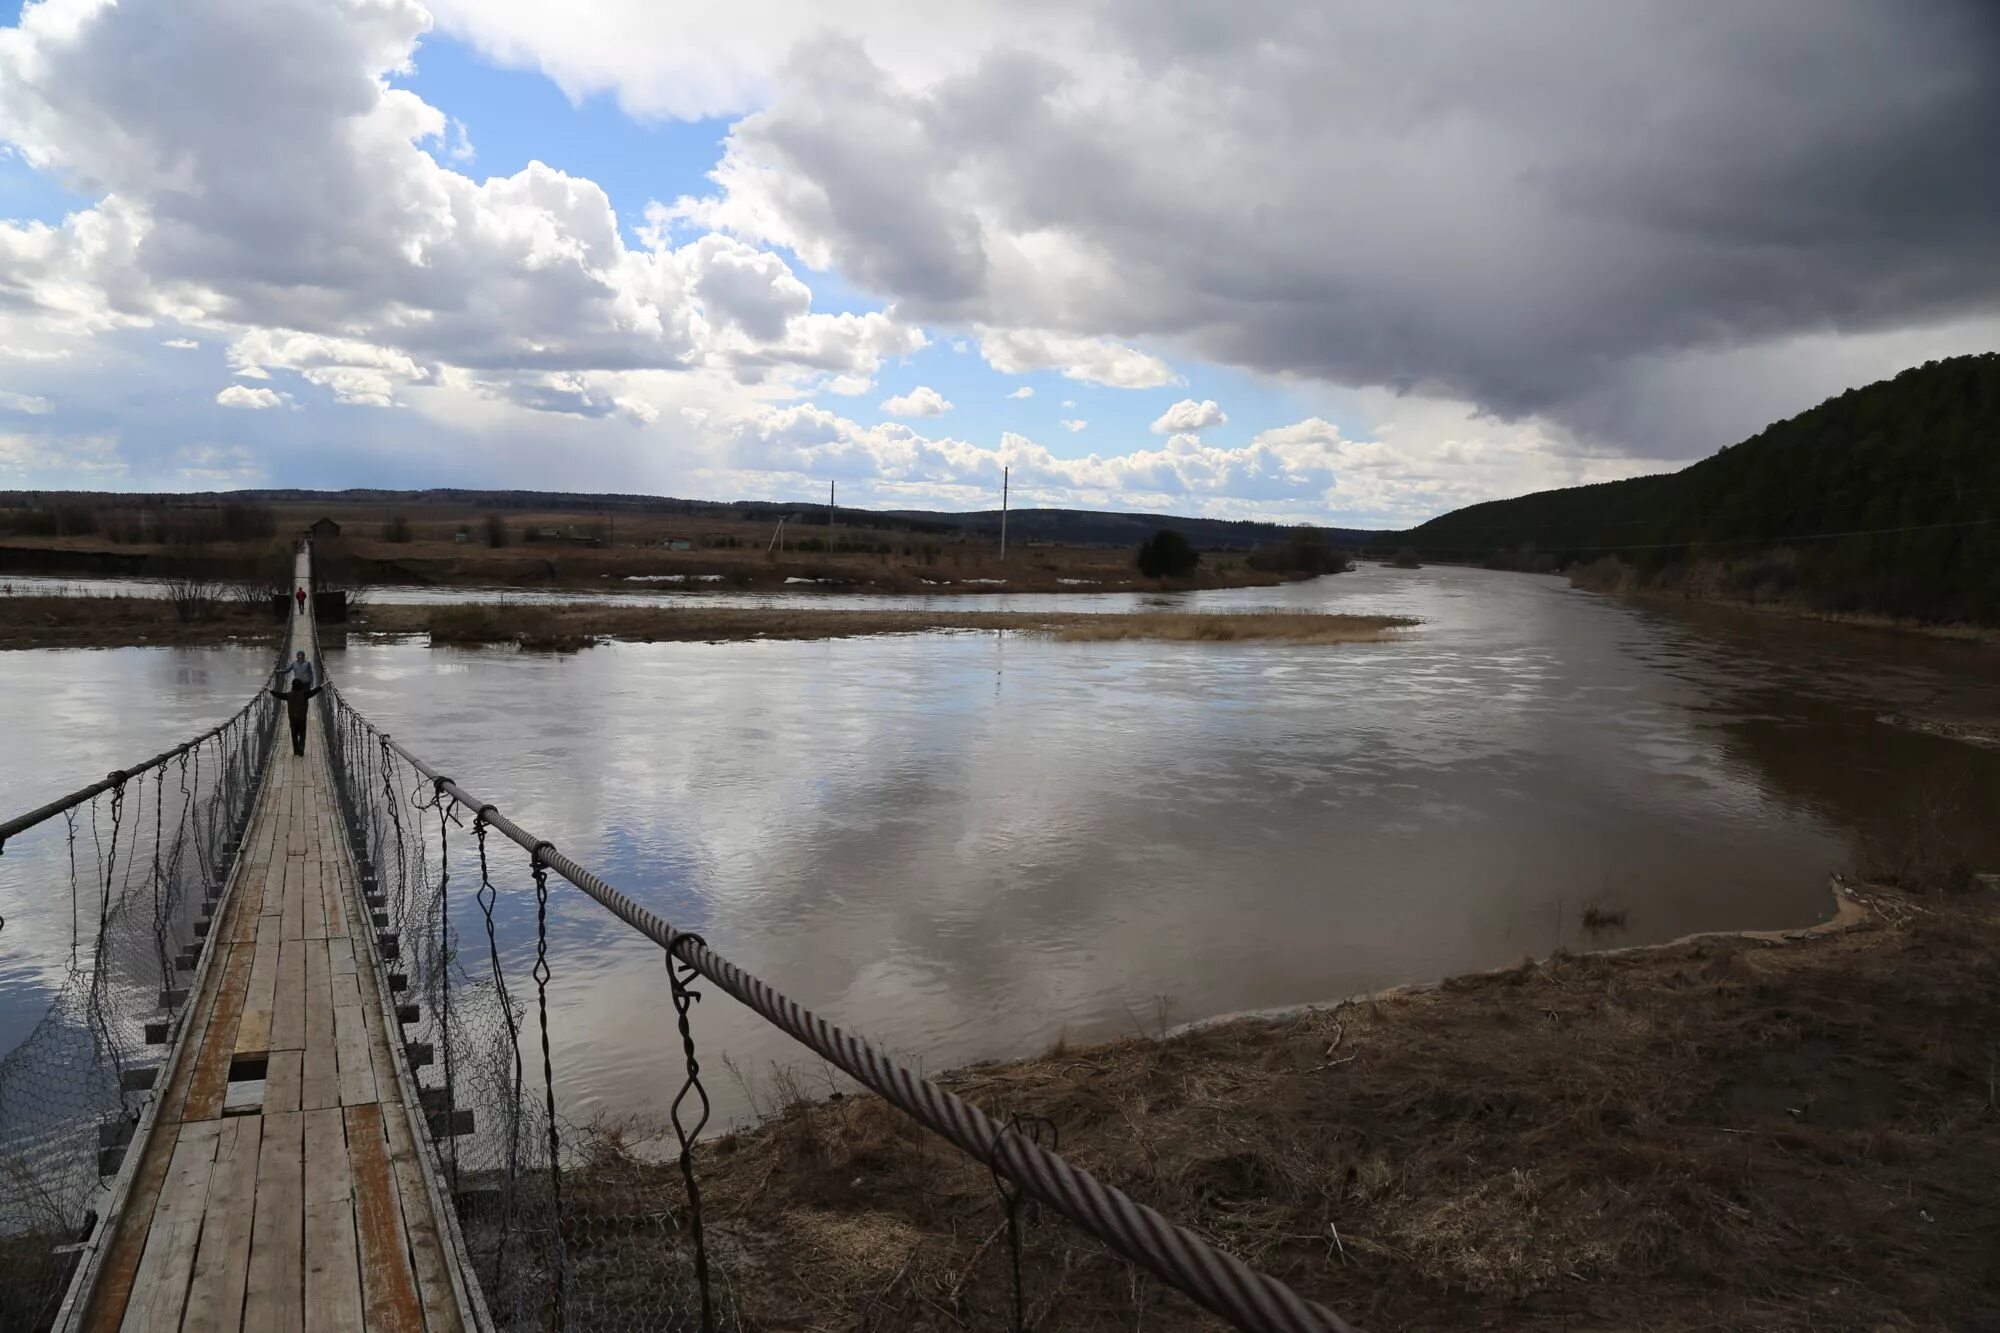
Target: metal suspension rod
column 1219, row 1281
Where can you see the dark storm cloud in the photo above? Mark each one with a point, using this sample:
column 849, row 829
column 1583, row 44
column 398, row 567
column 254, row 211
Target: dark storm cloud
column 1523, row 205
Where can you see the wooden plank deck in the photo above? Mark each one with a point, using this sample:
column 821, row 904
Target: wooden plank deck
column 278, row 1189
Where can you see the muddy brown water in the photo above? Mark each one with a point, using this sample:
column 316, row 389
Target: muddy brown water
column 964, row 844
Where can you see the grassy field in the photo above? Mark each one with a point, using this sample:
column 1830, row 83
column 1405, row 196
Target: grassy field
column 1730, row 1132
column 603, row 549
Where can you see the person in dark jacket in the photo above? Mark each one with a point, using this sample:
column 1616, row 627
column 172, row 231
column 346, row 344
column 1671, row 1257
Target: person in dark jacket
column 303, row 683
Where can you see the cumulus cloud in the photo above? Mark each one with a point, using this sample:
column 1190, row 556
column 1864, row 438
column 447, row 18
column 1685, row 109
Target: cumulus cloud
column 922, row 401
column 292, row 197
column 1188, row 416
column 1097, row 360
column 180, row 344
column 31, row 404
column 1025, row 391
column 1073, row 425
column 237, row 395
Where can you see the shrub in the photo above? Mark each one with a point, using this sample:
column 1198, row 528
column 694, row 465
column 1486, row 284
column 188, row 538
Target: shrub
column 397, row 529
column 496, row 531
column 194, row 596
column 1167, row 555
column 1304, row 551
column 1406, row 558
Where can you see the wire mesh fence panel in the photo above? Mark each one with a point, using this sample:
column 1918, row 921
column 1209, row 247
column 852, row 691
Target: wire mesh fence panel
column 567, row 1225
column 105, row 900
column 592, row 1226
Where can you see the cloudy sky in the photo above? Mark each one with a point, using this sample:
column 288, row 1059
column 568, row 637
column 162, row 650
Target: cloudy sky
column 1358, row 261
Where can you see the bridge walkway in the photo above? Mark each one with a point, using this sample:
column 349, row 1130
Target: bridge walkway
column 281, row 1187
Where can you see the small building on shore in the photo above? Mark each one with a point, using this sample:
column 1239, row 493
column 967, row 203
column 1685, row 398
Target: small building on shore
column 324, row 529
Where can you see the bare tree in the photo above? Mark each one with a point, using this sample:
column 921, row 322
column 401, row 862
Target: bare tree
column 196, row 596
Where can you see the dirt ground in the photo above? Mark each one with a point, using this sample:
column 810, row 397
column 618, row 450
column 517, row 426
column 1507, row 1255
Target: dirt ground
column 1724, row 1133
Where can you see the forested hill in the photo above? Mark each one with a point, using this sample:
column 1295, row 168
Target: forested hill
column 1885, row 499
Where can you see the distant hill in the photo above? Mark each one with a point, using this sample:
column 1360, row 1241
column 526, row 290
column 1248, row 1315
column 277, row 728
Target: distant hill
column 1884, row 500
column 1098, row 527
column 1077, row 527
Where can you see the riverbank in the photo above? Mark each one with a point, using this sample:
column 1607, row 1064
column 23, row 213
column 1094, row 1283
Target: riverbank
column 1755, row 585
column 110, row 622
column 1727, row 1131
column 84, row 621
column 578, row 626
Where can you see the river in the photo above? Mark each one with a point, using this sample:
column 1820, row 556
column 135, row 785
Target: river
column 965, row 844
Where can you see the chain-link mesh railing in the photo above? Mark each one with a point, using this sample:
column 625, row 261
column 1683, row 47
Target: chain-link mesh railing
column 566, row 1227
column 106, row 897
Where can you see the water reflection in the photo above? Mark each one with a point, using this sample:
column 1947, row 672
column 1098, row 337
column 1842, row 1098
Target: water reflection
column 961, row 844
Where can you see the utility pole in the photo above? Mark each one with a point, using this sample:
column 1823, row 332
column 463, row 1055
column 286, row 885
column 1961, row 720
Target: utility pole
column 1003, row 513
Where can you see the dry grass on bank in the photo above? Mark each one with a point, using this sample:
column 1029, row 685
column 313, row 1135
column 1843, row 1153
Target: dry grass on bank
column 571, row 627
column 85, row 621
column 1723, row 1133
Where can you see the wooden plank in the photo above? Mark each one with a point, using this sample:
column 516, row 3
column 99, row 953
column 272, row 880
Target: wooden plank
column 210, row 1081
column 388, row 1287
column 253, row 1035
column 248, row 902
column 346, row 989
column 426, row 1244
column 288, row 1009
column 357, row 1067
column 312, row 903
column 294, row 919
column 328, row 1176
column 274, row 1296
column 321, row 1068
column 338, row 892
column 340, row 955
column 284, row 1081
column 159, row 1289
column 295, row 826
column 215, row 1300
column 113, row 1291
column 333, row 1269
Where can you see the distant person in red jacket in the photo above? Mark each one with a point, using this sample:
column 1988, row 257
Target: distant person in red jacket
column 301, row 595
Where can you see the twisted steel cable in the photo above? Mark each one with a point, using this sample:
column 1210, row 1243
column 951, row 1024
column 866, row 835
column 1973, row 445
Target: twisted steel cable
column 1219, row 1281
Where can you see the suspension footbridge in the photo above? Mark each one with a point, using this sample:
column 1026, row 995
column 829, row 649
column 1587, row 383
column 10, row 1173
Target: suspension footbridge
column 298, row 1074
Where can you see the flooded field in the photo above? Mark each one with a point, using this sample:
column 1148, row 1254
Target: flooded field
column 966, row 844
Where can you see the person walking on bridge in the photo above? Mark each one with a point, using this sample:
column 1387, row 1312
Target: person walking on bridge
column 303, row 685
column 301, row 595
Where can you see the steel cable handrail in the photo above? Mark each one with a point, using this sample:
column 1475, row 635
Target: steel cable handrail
column 117, row 777
column 1219, row 1281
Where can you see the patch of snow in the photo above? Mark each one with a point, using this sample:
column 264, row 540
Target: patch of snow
column 796, row 579
column 673, row 578
column 982, row 580
column 1076, row 583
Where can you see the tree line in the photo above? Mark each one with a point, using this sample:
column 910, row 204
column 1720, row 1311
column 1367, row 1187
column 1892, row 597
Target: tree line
column 1885, row 499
